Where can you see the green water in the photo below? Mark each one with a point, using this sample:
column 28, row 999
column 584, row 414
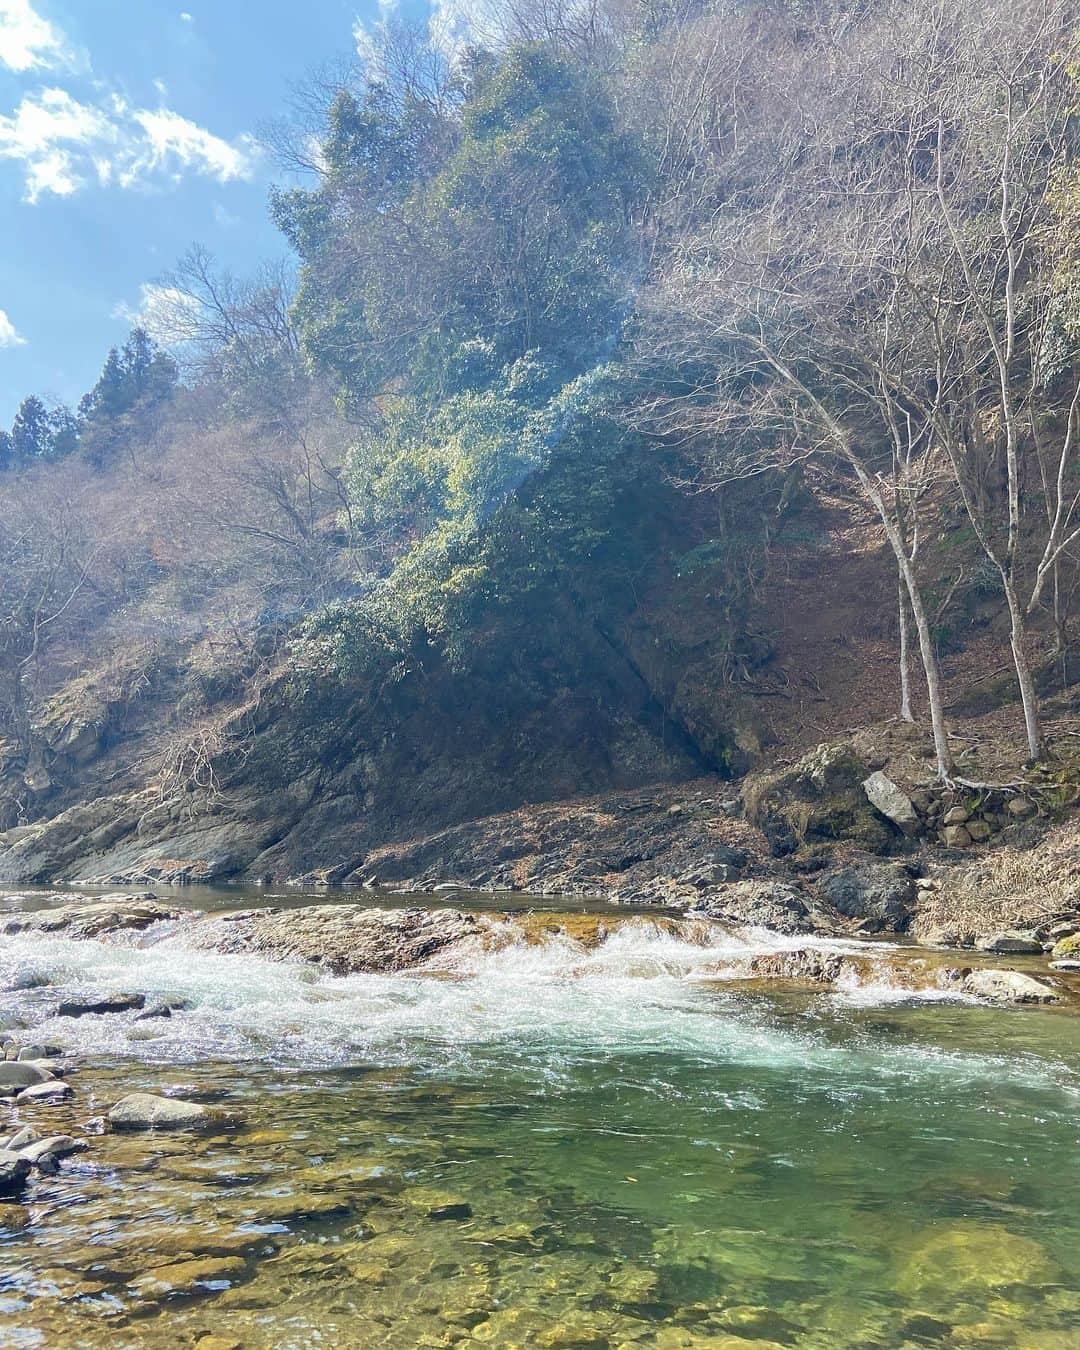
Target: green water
column 552, row 1147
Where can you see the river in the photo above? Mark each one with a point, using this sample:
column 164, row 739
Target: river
column 549, row 1143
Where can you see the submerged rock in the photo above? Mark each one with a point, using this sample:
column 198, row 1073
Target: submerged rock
column 189, row 1277
column 1008, row 986
column 145, row 1111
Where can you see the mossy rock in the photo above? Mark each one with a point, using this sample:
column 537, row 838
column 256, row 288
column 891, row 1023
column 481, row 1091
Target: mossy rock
column 817, row 799
column 1067, row 948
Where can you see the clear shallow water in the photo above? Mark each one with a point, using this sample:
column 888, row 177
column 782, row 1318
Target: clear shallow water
column 549, row 1144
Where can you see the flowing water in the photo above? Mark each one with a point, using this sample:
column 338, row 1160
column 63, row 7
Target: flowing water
column 549, row 1143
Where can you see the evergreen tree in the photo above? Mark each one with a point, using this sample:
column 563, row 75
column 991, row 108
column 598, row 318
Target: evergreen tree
column 31, row 433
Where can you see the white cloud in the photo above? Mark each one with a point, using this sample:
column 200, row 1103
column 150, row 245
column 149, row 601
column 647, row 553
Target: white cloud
column 30, row 42
column 175, row 143
column 455, row 25
column 186, row 17
column 160, row 310
column 9, row 334
column 63, row 144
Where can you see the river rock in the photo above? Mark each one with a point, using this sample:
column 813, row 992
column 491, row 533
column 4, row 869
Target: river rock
column 804, row 964
column 36, row 1051
column 91, row 919
column 1008, row 986
column 56, row 1146
column 14, row 1169
column 344, row 939
column 1066, row 947
column 101, row 1003
column 145, row 1111
column 1010, row 944
column 776, row 905
column 956, row 836
column 14, row 1076
column 20, row 1139
column 893, row 802
column 46, row 1094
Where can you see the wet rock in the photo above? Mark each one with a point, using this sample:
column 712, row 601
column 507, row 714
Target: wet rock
column 1008, row 986
column 51, row 1150
column 15, row 1076
column 46, row 1094
column 14, row 1169
column 91, row 919
column 883, row 894
column 1066, row 947
column 1069, row 964
column 100, row 1004
column 1010, row 944
column 189, row 1277
column 144, row 1111
column 344, row 939
column 776, row 905
column 36, row 1051
column 20, row 1139
column 893, row 803
column 804, row 964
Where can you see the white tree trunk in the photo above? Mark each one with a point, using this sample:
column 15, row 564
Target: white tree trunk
column 1028, row 697
column 906, row 715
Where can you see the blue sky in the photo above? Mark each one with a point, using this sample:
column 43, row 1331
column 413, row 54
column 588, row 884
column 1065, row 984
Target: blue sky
column 127, row 134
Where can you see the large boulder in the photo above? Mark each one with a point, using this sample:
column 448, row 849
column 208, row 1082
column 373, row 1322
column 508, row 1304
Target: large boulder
column 883, row 896
column 15, row 1075
column 344, row 939
column 145, row 1111
column 893, row 802
column 820, row 797
column 1008, row 986
column 92, row 918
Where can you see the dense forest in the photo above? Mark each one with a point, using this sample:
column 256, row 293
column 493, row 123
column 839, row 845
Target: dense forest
column 614, row 301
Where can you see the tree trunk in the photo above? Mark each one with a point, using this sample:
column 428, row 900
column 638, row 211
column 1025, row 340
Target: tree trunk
column 906, row 715
column 1028, row 697
column 942, row 749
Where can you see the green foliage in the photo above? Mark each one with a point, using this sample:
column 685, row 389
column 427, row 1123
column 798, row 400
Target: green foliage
column 505, row 220
column 135, row 381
